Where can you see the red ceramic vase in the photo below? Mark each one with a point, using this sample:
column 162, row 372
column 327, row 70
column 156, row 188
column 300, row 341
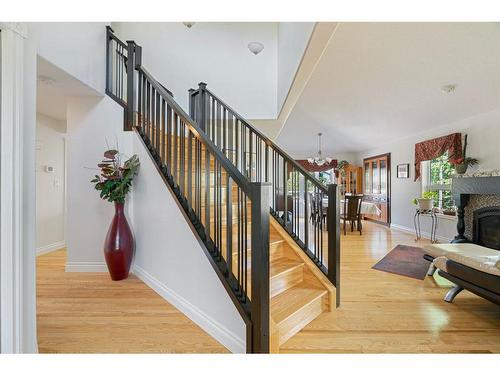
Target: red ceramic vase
column 119, row 245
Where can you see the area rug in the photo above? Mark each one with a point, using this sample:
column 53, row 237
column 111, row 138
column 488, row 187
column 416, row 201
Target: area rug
column 406, row 261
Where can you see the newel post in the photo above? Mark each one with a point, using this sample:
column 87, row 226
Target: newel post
column 333, row 227
column 109, row 30
column 261, row 192
column 192, row 103
column 129, row 118
column 138, row 56
column 202, row 106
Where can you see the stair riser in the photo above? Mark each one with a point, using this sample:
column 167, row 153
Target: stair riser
column 301, row 318
column 276, row 251
column 286, row 280
column 277, row 284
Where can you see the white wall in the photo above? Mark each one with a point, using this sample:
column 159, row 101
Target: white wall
column 484, row 134
column 93, row 123
column 50, row 186
column 77, row 48
column 215, row 53
column 292, row 41
column 170, row 259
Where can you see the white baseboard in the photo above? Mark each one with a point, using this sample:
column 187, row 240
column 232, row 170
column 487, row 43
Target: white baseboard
column 86, row 267
column 426, row 235
column 49, row 248
column 205, row 322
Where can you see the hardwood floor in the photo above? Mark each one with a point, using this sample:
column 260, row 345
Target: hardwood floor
column 88, row 313
column 386, row 313
column 379, row 313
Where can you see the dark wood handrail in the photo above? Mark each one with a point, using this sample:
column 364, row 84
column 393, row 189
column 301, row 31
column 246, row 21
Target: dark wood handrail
column 111, row 34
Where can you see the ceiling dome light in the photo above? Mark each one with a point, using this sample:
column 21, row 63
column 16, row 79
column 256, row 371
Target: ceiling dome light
column 448, row 89
column 189, row 24
column 255, row 47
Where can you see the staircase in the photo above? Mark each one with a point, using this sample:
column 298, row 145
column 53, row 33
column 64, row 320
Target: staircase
column 277, row 258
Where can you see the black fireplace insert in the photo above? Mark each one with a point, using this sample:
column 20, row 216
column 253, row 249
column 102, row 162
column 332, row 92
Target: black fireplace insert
column 486, row 227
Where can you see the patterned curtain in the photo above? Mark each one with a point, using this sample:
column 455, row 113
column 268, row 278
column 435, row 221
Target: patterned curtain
column 433, row 148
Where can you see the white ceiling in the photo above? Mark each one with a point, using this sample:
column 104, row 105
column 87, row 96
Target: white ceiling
column 54, row 85
column 378, row 82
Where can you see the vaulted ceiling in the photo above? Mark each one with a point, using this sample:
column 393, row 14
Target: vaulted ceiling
column 377, row 82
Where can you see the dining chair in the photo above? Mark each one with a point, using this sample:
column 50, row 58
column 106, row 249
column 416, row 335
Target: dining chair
column 280, row 206
column 317, row 212
column 352, row 212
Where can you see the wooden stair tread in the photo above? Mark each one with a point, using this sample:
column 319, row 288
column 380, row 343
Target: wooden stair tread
column 273, row 246
column 273, row 242
column 282, row 265
column 293, row 300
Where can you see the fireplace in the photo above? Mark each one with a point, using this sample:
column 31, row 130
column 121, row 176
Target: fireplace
column 486, row 227
column 485, row 222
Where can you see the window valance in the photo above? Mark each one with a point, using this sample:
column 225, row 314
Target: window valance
column 433, row 148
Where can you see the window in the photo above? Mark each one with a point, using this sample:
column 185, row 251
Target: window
column 436, row 180
column 324, row 177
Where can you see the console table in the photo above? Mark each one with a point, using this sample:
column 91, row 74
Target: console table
column 416, row 223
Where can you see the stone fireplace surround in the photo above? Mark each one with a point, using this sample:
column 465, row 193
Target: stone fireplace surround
column 476, row 202
column 471, row 194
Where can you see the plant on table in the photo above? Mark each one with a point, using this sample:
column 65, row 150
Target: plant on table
column 341, row 167
column 464, row 161
column 426, row 202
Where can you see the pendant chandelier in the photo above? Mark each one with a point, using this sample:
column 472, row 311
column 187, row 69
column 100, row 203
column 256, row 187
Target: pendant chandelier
column 319, row 160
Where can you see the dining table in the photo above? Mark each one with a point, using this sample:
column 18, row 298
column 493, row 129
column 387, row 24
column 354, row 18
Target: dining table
column 367, row 208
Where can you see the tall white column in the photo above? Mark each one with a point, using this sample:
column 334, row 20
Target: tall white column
column 17, row 194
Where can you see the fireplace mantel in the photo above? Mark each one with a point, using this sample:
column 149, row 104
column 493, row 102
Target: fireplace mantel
column 475, row 185
column 462, row 188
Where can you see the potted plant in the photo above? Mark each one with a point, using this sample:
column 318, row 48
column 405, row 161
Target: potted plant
column 426, row 202
column 463, row 162
column 114, row 183
column 341, row 167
